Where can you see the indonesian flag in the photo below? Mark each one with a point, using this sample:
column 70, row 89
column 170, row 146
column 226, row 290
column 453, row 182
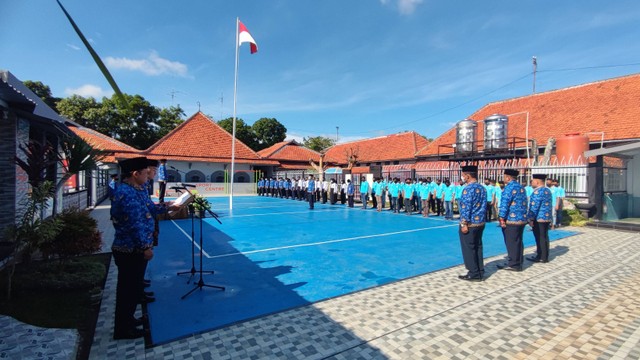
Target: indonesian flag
column 244, row 37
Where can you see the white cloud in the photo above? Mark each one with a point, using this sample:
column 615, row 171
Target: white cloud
column 153, row 65
column 74, row 47
column 407, row 7
column 88, row 90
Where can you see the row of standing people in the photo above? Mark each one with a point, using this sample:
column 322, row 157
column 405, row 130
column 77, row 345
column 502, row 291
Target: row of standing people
column 516, row 210
column 299, row 189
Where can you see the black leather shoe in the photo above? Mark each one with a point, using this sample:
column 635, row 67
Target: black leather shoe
column 509, row 268
column 149, row 293
column 146, row 299
column 469, row 278
column 533, row 258
column 131, row 334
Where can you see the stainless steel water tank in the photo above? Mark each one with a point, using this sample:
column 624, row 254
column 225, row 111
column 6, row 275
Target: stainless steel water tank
column 466, row 136
column 495, row 132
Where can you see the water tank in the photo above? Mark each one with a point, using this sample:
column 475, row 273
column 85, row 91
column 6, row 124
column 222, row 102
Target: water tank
column 570, row 149
column 495, row 133
column 466, row 136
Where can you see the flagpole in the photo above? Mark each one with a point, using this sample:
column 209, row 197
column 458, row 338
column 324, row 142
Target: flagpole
column 233, row 135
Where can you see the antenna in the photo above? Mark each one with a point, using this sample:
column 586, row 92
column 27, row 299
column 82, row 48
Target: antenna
column 198, row 102
column 221, row 103
column 535, row 69
column 337, row 129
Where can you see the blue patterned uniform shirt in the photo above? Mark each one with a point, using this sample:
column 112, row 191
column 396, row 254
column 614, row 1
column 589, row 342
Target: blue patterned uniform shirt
column 162, row 172
column 132, row 219
column 473, row 205
column 513, row 204
column 311, row 186
column 540, row 205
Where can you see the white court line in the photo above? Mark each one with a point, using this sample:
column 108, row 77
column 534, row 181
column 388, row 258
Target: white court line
column 332, row 241
column 189, row 237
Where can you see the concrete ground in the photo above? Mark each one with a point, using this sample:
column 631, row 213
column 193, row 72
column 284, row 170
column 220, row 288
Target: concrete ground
column 584, row 304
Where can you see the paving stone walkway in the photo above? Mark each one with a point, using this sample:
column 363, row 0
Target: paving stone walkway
column 584, row 304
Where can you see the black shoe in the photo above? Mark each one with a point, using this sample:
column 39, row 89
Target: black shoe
column 146, row 300
column 149, row 293
column 534, row 259
column 509, row 268
column 139, row 321
column 469, row 278
column 131, row 334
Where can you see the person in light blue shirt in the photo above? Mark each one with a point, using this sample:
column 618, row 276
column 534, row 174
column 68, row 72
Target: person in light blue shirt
column 560, row 195
column 364, row 191
column 311, row 188
column 377, row 190
column 394, row 189
column 447, row 198
column 498, row 188
column 554, row 201
column 383, row 191
column 490, row 198
column 407, row 193
column 423, row 191
column 437, row 193
column 458, row 194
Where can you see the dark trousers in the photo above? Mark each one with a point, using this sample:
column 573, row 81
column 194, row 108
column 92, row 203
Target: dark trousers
column 317, row 195
column 312, row 199
column 399, row 203
column 363, row 197
column 513, row 241
column 343, row 197
column 407, row 205
column 489, row 211
column 131, row 268
column 439, row 209
column 394, row 204
column 432, row 203
column 333, row 197
column 471, row 244
column 162, row 189
column 350, row 199
column 559, row 214
column 374, row 200
column 541, row 233
column 324, row 196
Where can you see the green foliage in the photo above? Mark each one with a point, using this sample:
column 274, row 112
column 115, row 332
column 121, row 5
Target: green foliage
column 573, row 217
column 78, row 235
column 169, row 119
column 318, row 143
column 76, row 274
column 83, row 111
column 43, row 91
column 201, row 203
column 39, row 157
column 268, row 131
column 244, row 132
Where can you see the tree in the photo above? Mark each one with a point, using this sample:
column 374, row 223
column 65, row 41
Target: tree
column 43, row 91
column 169, row 119
column 318, row 143
column 244, row 132
column 268, row 131
column 82, row 110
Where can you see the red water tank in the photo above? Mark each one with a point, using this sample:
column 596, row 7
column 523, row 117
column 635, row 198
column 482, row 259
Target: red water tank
column 570, row 149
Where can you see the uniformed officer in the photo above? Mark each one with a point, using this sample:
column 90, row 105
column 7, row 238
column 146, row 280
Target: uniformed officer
column 513, row 218
column 311, row 187
column 473, row 210
column 540, row 217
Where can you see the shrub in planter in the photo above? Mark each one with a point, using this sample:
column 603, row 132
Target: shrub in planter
column 79, row 236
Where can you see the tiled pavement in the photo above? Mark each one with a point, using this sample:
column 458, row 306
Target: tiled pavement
column 584, row 304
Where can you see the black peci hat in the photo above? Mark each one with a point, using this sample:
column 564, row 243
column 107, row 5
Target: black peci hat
column 511, row 172
column 154, row 163
column 539, row 176
column 469, row 169
column 133, row 164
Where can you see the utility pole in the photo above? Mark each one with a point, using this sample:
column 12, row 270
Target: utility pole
column 535, row 69
column 337, row 128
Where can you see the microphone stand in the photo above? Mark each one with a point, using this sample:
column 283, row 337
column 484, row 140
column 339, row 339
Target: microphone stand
column 201, row 282
column 193, row 249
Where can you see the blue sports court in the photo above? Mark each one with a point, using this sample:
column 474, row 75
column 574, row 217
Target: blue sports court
column 275, row 254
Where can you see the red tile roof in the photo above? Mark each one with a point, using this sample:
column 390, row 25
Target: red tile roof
column 289, row 151
column 103, row 142
column 394, row 147
column 611, row 106
column 201, row 139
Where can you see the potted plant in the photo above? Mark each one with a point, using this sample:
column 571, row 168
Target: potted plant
column 201, row 205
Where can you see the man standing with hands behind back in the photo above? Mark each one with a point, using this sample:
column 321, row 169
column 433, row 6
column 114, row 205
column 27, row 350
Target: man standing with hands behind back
column 540, row 217
column 512, row 215
column 473, row 210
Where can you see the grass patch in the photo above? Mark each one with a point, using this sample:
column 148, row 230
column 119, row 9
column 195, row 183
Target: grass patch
column 573, row 217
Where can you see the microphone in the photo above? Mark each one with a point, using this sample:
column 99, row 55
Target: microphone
column 188, row 185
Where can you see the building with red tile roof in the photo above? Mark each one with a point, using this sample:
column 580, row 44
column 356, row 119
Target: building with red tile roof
column 605, row 110
column 391, row 149
column 199, row 150
column 291, row 155
column 112, row 147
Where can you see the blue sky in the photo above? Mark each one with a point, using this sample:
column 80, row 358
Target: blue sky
column 370, row 67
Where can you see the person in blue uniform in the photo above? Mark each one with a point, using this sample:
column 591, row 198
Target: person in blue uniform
column 512, row 216
column 162, row 179
column 540, row 217
column 113, row 185
column 473, row 210
column 132, row 245
column 364, row 191
column 311, row 189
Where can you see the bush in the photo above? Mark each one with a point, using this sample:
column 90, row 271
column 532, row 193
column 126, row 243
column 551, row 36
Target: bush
column 573, row 217
column 72, row 275
column 79, row 235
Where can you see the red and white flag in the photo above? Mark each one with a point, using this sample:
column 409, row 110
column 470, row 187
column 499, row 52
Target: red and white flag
column 244, row 36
